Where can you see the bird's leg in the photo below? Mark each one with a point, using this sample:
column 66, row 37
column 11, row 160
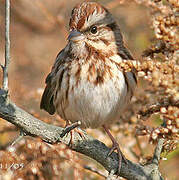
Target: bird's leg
column 70, row 128
column 115, row 146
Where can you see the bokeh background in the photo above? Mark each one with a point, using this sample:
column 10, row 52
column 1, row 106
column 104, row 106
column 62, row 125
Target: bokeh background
column 38, row 32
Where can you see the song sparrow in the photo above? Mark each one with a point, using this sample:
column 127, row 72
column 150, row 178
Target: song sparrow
column 86, row 82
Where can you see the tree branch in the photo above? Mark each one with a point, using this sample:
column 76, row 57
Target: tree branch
column 154, row 108
column 89, row 147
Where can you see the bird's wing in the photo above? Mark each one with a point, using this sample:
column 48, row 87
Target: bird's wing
column 130, row 77
column 48, row 94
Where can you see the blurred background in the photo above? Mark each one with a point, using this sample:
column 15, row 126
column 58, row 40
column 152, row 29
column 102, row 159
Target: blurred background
column 38, row 32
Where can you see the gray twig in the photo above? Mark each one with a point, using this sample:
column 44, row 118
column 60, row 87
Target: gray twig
column 7, row 46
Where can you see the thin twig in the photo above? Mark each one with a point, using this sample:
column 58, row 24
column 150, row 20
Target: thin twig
column 7, row 46
column 154, row 108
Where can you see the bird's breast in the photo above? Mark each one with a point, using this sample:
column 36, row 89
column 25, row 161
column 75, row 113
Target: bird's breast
column 92, row 96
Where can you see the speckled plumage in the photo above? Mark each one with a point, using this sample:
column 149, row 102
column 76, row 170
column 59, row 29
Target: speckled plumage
column 86, row 83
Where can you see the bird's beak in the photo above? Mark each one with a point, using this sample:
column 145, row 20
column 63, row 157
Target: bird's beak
column 75, row 36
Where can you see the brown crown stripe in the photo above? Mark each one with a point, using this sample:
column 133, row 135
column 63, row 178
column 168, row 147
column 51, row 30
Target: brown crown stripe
column 81, row 22
column 81, row 13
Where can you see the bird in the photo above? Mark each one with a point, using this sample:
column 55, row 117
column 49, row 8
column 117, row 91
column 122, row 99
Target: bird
column 86, row 82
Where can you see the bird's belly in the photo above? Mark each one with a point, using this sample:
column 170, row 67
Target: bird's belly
column 95, row 105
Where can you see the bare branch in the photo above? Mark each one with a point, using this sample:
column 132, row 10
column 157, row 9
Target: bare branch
column 87, row 146
column 154, row 108
column 7, row 46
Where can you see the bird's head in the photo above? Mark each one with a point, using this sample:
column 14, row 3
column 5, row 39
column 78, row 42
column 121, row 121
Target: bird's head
column 92, row 25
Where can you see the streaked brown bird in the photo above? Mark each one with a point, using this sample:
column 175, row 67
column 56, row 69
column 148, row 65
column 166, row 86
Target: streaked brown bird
column 86, row 82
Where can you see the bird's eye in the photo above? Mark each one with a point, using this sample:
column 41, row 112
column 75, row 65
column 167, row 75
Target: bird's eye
column 93, row 29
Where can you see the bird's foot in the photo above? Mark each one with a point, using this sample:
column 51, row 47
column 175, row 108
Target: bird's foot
column 115, row 146
column 121, row 156
column 79, row 132
column 71, row 128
